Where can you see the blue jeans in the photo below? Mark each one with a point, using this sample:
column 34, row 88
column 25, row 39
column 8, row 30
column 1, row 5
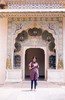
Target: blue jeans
column 33, row 82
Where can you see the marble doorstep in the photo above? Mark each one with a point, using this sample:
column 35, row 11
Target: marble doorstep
column 26, row 84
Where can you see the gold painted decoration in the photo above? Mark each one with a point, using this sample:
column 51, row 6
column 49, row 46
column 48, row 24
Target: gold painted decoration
column 60, row 63
column 8, row 63
column 34, row 24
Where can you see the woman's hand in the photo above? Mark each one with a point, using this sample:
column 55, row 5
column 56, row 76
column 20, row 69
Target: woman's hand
column 30, row 67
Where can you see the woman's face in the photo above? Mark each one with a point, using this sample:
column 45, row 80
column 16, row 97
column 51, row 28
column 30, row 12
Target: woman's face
column 34, row 59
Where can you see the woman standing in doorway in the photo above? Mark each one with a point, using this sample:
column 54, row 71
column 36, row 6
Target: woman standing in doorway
column 34, row 73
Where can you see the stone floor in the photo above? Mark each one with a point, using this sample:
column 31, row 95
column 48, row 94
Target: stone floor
column 21, row 91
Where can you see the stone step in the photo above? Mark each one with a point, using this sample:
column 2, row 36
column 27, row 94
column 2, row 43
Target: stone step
column 26, row 84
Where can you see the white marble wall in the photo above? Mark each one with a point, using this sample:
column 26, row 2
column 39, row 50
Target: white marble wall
column 53, row 25
column 64, row 45
column 56, row 76
column 64, row 42
column 3, row 48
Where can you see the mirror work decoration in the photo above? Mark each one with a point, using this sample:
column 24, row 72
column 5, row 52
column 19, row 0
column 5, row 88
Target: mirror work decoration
column 35, row 31
column 52, row 62
column 17, row 61
column 22, row 36
column 49, row 37
column 51, row 46
column 17, row 47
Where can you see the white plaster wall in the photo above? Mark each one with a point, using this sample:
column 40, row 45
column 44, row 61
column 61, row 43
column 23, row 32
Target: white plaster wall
column 3, row 48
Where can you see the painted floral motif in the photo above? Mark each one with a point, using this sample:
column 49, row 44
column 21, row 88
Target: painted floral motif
column 60, row 63
column 8, row 63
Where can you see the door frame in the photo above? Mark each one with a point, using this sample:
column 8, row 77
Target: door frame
column 23, row 62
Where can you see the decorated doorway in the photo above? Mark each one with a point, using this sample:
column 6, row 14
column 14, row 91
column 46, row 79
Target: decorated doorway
column 39, row 53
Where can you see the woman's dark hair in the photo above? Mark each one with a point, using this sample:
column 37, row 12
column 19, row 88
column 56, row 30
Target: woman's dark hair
column 34, row 57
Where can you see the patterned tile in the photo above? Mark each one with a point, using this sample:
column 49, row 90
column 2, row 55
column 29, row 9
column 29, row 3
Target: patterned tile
column 35, row 6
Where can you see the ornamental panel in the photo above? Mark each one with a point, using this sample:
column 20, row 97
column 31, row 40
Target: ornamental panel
column 52, row 24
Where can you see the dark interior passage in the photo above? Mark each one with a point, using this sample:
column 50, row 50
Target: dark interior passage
column 39, row 53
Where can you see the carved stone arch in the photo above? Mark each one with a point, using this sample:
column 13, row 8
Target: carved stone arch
column 34, row 41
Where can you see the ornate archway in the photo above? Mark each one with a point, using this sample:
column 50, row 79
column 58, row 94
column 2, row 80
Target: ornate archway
column 51, row 42
column 34, row 38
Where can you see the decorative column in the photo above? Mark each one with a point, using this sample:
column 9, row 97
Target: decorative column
column 64, row 46
column 3, row 48
column 64, row 42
